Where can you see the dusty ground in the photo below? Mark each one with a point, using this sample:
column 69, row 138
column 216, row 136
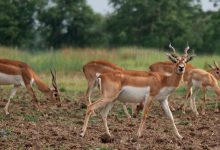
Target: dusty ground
column 58, row 127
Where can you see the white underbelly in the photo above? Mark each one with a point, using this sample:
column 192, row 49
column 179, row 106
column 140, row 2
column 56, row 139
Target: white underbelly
column 164, row 93
column 6, row 79
column 196, row 83
column 131, row 94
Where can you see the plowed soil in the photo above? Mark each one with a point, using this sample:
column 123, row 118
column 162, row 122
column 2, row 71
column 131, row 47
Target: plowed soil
column 58, row 127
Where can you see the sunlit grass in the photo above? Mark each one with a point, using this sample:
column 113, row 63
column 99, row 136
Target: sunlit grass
column 71, row 60
column 68, row 62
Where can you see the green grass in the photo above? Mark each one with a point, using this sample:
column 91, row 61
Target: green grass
column 30, row 118
column 184, row 122
column 72, row 60
column 33, row 117
column 69, row 62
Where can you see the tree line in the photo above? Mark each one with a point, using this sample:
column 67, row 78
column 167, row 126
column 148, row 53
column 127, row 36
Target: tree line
column 42, row 24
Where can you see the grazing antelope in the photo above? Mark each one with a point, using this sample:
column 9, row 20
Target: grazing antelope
column 100, row 67
column 205, row 80
column 136, row 87
column 19, row 73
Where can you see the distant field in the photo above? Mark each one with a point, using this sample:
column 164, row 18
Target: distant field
column 71, row 60
column 68, row 62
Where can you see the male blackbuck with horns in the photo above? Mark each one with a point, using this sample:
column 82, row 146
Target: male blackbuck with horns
column 134, row 88
column 18, row 73
column 167, row 67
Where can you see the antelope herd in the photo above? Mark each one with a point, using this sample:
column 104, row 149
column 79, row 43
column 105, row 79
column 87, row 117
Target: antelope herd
column 136, row 88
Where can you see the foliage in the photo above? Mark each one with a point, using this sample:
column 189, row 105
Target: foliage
column 70, row 23
column 151, row 23
column 43, row 24
column 211, row 39
column 16, row 22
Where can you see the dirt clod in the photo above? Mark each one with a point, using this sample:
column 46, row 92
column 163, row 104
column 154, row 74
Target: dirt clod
column 105, row 138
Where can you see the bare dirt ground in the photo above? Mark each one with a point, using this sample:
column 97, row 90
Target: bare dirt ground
column 54, row 127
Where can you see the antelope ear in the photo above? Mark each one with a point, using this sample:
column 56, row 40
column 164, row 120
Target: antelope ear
column 216, row 64
column 190, row 58
column 171, row 58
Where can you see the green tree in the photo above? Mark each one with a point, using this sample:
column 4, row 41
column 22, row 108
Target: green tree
column 70, row 23
column 152, row 23
column 211, row 42
column 16, row 21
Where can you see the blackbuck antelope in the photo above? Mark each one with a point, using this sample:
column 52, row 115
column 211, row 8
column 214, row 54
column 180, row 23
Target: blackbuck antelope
column 136, row 87
column 92, row 68
column 204, row 80
column 100, row 67
column 167, row 67
column 19, row 73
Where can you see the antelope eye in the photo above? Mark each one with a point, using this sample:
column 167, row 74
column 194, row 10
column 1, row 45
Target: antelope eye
column 55, row 94
column 217, row 72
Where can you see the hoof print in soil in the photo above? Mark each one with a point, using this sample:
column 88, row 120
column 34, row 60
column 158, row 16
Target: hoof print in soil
column 105, row 138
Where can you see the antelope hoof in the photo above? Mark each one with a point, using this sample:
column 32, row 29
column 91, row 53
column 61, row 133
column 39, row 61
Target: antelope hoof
column 179, row 136
column 7, row 113
column 139, row 134
column 196, row 113
column 82, row 134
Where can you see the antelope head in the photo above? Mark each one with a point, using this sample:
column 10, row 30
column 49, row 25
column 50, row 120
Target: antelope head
column 54, row 92
column 215, row 70
column 180, row 61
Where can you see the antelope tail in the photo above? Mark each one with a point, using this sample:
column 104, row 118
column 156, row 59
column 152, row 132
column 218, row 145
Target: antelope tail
column 98, row 81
